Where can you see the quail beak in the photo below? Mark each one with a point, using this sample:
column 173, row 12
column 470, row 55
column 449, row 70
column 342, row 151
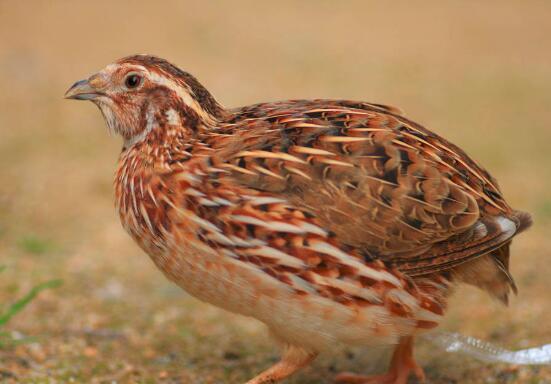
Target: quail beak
column 82, row 90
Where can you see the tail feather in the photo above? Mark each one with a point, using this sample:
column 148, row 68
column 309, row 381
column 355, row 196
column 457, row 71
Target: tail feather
column 523, row 220
column 491, row 271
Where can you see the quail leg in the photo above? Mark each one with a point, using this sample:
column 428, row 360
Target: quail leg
column 293, row 359
column 402, row 365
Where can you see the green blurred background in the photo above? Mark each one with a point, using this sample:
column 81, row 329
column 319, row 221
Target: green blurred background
column 479, row 73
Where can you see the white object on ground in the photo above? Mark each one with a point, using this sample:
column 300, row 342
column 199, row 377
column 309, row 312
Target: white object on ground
column 483, row 350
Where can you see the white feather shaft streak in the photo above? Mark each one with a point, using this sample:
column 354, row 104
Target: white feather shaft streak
column 238, row 169
column 310, row 151
column 221, row 239
column 246, row 243
column 297, row 172
column 346, row 259
column 348, row 288
column 206, row 202
column 278, row 256
column 301, row 283
column 270, row 155
column 146, row 217
column 336, row 162
column 222, row 201
column 311, row 228
column 261, row 200
column 342, row 139
column 203, row 223
column 267, row 172
column 277, row 226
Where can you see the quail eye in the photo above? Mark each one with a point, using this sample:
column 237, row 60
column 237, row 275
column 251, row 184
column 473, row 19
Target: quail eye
column 132, row 81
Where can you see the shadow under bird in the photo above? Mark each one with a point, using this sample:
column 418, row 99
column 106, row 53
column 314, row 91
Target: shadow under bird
column 331, row 221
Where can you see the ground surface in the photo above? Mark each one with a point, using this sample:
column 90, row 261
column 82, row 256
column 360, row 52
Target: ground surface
column 478, row 74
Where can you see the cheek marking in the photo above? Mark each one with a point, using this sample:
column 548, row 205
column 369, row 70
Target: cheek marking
column 172, row 117
column 150, row 123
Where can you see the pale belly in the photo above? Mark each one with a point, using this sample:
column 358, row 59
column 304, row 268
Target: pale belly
column 310, row 321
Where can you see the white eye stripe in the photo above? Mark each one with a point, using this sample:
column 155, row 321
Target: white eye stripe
column 180, row 91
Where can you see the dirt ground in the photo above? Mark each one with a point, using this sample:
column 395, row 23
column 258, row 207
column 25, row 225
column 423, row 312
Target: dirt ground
column 478, row 73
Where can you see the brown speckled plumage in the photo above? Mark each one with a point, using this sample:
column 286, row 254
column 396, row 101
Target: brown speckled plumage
column 331, row 221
